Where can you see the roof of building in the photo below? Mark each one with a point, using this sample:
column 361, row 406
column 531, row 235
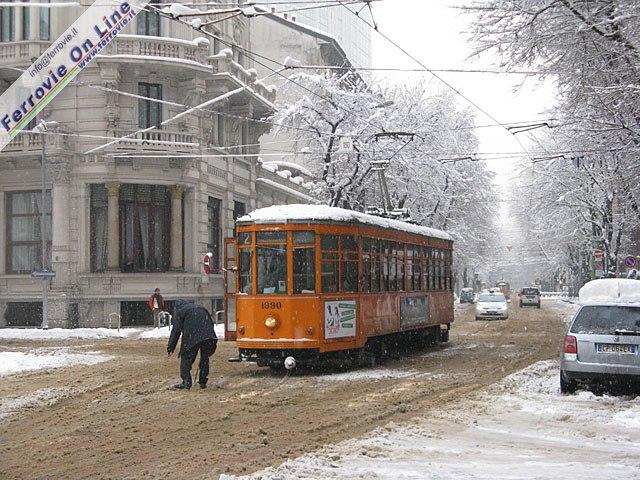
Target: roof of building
column 302, row 27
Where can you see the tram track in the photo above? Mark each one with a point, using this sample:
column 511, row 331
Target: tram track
column 119, row 420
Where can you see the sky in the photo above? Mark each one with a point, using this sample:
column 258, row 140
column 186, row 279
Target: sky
column 437, row 33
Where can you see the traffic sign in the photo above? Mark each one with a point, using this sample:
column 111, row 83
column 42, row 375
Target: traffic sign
column 345, row 145
column 43, row 274
column 630, row 261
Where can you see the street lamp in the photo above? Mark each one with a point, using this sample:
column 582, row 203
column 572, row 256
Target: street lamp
column 45, row 274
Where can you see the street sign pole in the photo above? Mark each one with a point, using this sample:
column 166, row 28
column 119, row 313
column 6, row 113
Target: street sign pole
column 45, row 280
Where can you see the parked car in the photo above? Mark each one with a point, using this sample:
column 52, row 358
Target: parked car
column 601, row 343
column 492, row 305
column 529, row 296
column 467, row 295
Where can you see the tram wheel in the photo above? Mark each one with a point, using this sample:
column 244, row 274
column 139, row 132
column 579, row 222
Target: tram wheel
column 366, row 357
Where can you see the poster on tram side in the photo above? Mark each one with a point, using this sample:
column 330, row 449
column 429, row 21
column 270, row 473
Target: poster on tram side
column 340, row 319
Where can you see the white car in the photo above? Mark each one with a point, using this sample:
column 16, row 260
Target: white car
column 492, row 305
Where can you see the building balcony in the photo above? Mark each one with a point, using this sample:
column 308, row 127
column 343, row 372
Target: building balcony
column 168, row 52
column 19, row 54
column 163, row 140
column 232, row 75
column 27, row 143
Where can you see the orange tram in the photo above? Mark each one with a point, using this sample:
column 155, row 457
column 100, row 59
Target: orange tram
column 307, row 283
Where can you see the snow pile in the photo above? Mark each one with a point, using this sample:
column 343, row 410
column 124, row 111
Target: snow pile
column 177, row 9
column 374, row 374
column 291, row 63
column 519, row 428
column 297, row 213
column 164, row 332
column 44, row 396
column 201, row 42
column 63, row 333
column 89, row 333
column 16, row 362
column 610, row 290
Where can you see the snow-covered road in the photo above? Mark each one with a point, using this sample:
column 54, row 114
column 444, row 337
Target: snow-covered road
column 519, row 428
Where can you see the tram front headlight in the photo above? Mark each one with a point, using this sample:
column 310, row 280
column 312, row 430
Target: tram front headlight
column 271, row 322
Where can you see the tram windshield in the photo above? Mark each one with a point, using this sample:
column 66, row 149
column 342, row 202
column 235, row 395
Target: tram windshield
column 272, row 269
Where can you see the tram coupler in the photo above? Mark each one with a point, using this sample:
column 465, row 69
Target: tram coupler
column 289, row 363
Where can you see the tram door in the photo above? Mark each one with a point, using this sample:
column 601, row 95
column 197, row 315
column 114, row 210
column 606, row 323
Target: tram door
column 230, row 288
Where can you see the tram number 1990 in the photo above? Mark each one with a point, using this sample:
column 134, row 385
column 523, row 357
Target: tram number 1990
column 271, row 305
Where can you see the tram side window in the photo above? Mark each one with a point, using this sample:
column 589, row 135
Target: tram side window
column 449, row 271
column 349, row 264
column 330, row 263
column 339, row 263
column 400, row 267
column 409, row 266
column 304, row 262
column 413, row 267
column 272, row 268
column 432, row 269
column 439, row 275
column 385, row 265
column 417, row 272
column 366, row 265
column 376, row 265
column 244, row 267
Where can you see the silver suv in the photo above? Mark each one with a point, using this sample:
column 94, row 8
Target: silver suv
column 601, row 346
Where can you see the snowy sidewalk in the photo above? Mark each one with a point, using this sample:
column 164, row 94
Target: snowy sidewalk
column 44, row 358
column 89, row 333
column 519, row 428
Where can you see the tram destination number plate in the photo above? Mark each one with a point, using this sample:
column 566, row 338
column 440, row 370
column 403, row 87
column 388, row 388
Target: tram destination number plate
column 615, row 348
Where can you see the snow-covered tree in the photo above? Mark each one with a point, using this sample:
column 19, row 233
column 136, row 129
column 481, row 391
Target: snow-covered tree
column 416, row 132
column 582, row 196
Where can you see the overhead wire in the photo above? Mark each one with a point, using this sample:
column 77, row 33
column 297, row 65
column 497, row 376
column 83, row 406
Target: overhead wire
column 435, row 74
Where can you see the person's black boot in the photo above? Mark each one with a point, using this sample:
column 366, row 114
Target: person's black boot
column 182, row 386
column 203, row 385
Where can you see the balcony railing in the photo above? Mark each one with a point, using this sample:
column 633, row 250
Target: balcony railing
column 21, row 53
column 30, row 143
column 222, row 64
column 159, row 140
column 147, row 46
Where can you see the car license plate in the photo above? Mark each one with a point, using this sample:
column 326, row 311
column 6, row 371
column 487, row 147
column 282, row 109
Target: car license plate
column 615, row 348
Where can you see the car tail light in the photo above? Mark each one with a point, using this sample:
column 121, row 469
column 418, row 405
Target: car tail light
column 570, row 344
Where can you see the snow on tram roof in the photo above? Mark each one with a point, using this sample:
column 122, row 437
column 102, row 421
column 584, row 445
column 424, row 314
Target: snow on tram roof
column 298, row 213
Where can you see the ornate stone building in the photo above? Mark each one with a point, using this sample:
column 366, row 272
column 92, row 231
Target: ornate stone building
column 141, row 213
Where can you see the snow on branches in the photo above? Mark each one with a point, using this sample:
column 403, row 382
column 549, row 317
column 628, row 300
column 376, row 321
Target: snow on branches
column 413, row 129
column 583, row 197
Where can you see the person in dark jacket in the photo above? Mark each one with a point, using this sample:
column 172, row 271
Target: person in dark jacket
column 195, row 325
column 156, row 304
